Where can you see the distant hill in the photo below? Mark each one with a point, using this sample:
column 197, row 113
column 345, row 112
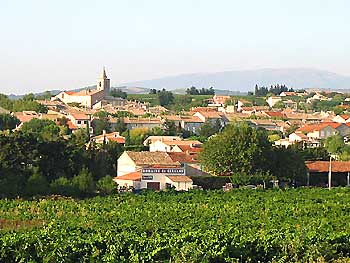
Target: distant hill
column 243, row 81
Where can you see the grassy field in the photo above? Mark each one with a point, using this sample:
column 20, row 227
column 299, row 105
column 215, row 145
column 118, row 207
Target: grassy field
column 296, row 225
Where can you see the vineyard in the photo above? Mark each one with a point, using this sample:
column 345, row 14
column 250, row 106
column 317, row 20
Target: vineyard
column 296, row 225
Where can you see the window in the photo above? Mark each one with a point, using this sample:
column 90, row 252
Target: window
column 79, row 122
column 85, row 122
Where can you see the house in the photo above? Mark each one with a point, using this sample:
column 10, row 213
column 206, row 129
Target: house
column 109, row 137
column 87, row 97
column 324, row 130
column 156, row 178
column 273, row 100
column 190, row 161
column 130, row 162
column 212, row 117
column 26, row 116
column 344, row 118
column 80, row 119
column 149, row 123
column 175, row 146
column 290, row 104
column 265, row 124
column 287, row 94
column 220, row 100
column 318, row 173
column 152, row 139
column 129, row 181
column 173, row 118
column 274, row 114
column 191, row 123
column 297, row 137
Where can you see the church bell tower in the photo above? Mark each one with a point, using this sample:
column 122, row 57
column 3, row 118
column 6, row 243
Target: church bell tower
column 103, row 82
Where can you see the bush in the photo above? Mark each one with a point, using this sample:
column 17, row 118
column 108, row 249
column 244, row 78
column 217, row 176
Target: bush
column 106, row 185
column 62, row 186
column 36, row 185
column 211, row 182
column 84, row 182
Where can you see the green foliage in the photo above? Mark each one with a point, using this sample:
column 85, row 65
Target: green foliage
column 137, row 135
column 100, row 125
column 275, row 90
column 120, row 126
column 55, row 161
column 165, row 97
column 26, row 104
column 239, row 148
column 44, row 96
column 106, row 185
column 335, row 145
column 63, row 186
column 274, row 137
column 170, row 128
column 42, row 128
column 208, row 129
column 8, row 122
column 118, row 93
column 194, row 91
column 84, row 181
column 295, row 225
column 156, row 131
column 310, row 154
column 279, row 105
column 288, row 166
column 36, row 184
column 211, row 182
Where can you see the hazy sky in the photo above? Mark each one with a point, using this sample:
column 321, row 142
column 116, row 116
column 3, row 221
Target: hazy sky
column 63, row 44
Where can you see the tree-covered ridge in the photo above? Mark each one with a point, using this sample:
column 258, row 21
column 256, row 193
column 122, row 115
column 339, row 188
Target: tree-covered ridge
column 27, row 103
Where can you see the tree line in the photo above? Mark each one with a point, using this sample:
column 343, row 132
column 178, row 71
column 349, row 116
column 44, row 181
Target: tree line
column 27, row 103
column 274, row 89
column 194, row 91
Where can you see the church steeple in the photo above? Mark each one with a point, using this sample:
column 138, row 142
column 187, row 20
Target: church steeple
column 103, row 82
column 103, row 74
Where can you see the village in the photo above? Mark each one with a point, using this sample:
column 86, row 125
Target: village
column 169, row 141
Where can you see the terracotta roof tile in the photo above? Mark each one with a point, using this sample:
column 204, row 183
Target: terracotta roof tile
column 183, row 157
column 323, row 166
column 134, row 176
column 151, row 158
column 179, row 178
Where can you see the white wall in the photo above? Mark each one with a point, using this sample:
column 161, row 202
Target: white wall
column 125, row 165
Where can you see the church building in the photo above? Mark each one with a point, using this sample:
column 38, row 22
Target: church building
column 88, row 97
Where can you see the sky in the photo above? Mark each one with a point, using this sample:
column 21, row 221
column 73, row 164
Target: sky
column 51, row 44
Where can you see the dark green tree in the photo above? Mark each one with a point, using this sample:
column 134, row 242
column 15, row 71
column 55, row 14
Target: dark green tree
column 239, row 148
column 118, row 93
column 165, row 97
column 8, row 122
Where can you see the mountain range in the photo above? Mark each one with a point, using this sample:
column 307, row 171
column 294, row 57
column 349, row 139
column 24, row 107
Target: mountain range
column 237, row 82
column 245, row 80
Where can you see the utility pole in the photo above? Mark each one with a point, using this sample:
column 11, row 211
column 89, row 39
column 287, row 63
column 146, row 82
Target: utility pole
column 330, row 173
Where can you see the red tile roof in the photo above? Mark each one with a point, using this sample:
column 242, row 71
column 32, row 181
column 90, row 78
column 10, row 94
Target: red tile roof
column 134, row 176
column 345, row 116
column 323, row 166
column 183, row 157
column 275, row 114
column 80, row 116
column 179, row 178
column 71, row 126
column 318, row 126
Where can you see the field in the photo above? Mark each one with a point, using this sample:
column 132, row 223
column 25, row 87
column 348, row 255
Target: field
column 296, row 225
